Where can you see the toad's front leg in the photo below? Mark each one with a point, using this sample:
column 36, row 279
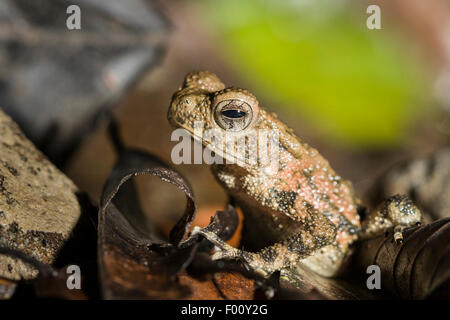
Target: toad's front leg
column 280, row 255
column 398, row 212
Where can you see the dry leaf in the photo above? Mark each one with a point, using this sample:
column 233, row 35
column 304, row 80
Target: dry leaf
column 416, row 268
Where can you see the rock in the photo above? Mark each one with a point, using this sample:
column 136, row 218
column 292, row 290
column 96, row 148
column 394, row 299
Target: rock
column 38, row 205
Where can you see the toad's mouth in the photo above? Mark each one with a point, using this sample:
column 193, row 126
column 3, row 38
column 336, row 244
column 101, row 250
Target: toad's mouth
column 220, row 150
column 228, row 150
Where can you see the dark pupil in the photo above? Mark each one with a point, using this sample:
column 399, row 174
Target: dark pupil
column 234, row 114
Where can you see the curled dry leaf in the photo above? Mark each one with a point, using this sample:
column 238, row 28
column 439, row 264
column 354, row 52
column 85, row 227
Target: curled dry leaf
column 415, row 269
column 128, row 266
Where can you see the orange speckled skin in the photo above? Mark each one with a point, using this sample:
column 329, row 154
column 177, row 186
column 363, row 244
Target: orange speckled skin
column 304, row 195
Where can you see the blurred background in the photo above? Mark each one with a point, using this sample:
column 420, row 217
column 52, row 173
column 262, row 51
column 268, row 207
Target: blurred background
column 366, row 99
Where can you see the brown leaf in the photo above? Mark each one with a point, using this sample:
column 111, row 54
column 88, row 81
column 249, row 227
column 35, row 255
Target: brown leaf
column 129, row 268
column 415, row 269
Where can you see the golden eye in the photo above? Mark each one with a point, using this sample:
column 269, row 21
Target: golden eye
column 235, row 109
column 233, row 115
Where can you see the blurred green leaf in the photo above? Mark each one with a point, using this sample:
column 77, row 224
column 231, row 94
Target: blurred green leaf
column 357, row 86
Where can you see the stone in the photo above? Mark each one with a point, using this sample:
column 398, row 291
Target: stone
column 38, row 203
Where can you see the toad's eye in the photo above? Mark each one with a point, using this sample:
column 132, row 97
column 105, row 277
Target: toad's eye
column 233, row 115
